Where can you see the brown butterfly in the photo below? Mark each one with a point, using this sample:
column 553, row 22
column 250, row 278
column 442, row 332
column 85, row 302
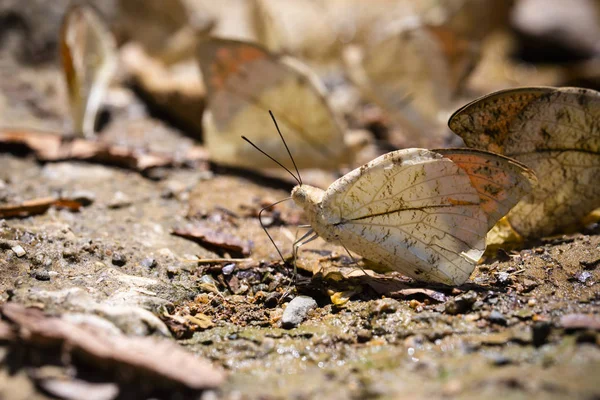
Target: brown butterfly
column 244, row 81
column 554, row 131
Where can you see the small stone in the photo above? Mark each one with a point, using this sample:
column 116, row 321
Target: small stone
column 524, row 313
column 497, row 317
column 272, row 299
column 296, row 311
column 529, row 284
column 503, row 278
column 584, row 276
column 118, row 259
column 84, row 197
column 148, row 262
column 27, row 238
column 228, row 269
column 41, row 275
column 384, row 306
column 499, row 359
column 461, row 304
column 364, row 335
column 69, row 253
column 173, row 270
column 18, row 250
column 119, row 200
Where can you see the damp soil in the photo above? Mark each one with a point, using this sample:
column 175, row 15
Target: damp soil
column 508, row 332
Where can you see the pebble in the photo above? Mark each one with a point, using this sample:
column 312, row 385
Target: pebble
column 384, row 306
column 503, row 278
column 497, row 317
column 584, row 276
column 228, row 269
column 148, row 262
column 119, row 200
column 18, row 250
column 84, row 197
column 296, row 311
column 41, row 275
column 364, row 335
column 118, row 259
column 69, row 253
column 272, row 300
column 461, row 304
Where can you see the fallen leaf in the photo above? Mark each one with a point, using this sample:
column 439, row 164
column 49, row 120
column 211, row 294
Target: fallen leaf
column 341, row 298
column 217, row 240
column 37, row 206
column 203, row 321
column 162, row 360
column 409, row 293
column 48, row 146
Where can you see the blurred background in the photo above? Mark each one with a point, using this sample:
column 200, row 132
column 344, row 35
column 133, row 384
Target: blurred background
column 394, row 68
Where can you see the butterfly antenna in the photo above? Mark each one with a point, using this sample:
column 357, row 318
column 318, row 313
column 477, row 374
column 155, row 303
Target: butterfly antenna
column 265, row 228
column 274, row 160
column 286, row 147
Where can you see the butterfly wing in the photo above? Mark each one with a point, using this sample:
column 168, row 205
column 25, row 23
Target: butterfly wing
column 88, row 52
column 410, row 210
column 243, row 82
column 405, row 71
column 556, row 132
column 500, row 181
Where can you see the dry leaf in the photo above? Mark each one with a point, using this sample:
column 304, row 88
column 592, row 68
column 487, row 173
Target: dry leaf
column 221, row 241
column 52, row 147
column 162, row 360
column 37, row 206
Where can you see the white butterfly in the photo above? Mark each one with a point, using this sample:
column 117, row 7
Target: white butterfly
column 420, row 212
column 88, row 52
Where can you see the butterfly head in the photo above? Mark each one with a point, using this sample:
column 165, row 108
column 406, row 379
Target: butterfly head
column 308, row 197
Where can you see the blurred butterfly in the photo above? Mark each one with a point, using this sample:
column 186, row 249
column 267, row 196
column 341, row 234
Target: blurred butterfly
column 88, row 53
column 554, row 131
column 243, row 81
column 420, row 212
column 413, row 71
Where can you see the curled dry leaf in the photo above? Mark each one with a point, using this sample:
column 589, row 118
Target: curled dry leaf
column 222, row 242
column 52, row 147
column 162, row 360
column 556, row 133
column 88, row 52
column 412, row 292
column 37, row 206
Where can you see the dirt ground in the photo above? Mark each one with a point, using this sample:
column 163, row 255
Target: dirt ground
column 526, row 325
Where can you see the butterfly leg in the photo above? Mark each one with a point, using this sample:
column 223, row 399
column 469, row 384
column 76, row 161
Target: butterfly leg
column 353, row 259
column 306, row 238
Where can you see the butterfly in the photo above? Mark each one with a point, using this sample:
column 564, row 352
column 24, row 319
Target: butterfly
column 243, row 81
column 410, row 73
column 424, row 213
column 554, row 131
column 88, row 53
